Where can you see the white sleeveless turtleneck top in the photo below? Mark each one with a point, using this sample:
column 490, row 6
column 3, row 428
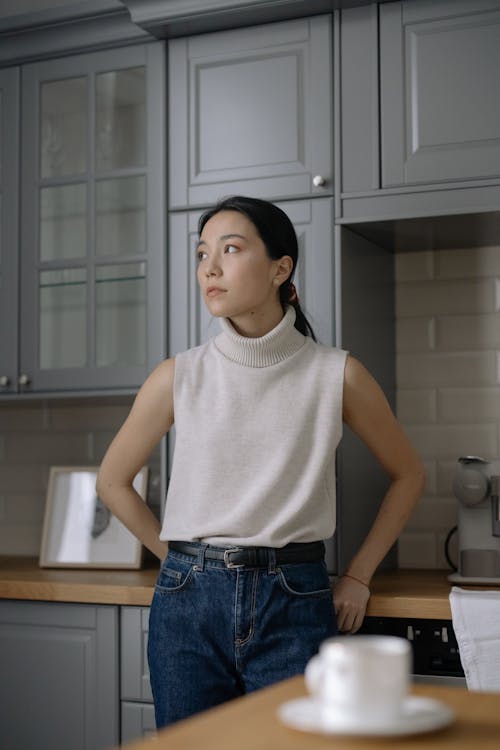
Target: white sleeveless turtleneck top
column 257, row 423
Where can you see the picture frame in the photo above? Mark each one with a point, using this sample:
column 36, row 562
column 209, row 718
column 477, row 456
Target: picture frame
column 79, row 531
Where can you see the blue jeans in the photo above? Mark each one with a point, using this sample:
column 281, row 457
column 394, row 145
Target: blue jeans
column 217, row 633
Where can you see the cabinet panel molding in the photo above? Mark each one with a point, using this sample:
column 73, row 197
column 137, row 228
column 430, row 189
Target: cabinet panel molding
column 230, row 132
column 9, row 232
column 76, row 27
column 439, row 109
column 62, row 661
column 359, row 99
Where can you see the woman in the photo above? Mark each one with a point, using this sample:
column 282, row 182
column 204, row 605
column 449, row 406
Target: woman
column 243, row 597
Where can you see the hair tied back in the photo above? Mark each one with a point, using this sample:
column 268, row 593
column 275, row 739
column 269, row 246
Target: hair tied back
column 293, row 297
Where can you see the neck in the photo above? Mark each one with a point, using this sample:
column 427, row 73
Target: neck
column 258, row 323
column 263, row 351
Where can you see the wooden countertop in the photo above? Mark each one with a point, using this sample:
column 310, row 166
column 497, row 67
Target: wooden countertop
column 250, row 723
column 21, row 578
column 399, row 593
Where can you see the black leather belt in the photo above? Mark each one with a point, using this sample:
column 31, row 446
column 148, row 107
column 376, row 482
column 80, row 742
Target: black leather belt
column 254, row 557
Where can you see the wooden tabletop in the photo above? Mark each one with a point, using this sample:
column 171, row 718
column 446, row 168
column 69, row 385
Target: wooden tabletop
column 251, row 723
column 398, row 593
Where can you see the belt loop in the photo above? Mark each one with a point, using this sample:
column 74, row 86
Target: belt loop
column 200, row 563
column 271, row 560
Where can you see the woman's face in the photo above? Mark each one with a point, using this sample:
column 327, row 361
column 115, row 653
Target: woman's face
column 236, row 275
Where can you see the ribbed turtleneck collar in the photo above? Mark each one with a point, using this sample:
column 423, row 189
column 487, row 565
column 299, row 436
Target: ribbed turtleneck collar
column 273, row 347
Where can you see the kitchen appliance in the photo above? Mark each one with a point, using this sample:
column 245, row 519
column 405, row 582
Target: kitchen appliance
column 476, row 485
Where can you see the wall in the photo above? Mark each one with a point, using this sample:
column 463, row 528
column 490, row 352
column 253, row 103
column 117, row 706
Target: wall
column 35, row 436
column 448, row 378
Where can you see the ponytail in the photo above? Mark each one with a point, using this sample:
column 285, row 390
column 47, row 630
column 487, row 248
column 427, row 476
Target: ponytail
column 289, row 296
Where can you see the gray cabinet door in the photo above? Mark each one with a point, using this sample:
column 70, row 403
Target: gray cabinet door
column 440, row 107
column 59, row 676
column 134, row 626
column 9, row 167
column 189, row 321
column 250, row 112
column 138, row 720
column 93, row 245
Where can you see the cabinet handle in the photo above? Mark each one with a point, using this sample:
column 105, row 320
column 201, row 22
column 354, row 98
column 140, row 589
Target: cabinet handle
column 4, row 381
column 23, row 379
column 319, row 180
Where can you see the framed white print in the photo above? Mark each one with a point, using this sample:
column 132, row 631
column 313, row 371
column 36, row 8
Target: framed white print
column 78, row 529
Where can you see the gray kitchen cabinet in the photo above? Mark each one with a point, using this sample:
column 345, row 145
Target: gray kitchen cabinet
column 189, row 321
column 416, row 115
column 59, row 676
column 92, row 206
column 137, row 711
column 9, row 224
column 251, row 113
column 439, row 91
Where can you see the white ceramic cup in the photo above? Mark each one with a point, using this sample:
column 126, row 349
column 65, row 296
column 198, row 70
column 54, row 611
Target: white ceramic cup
column 360, row 680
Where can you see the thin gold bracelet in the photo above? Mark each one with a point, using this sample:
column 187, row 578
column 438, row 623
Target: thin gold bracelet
column 348, row 575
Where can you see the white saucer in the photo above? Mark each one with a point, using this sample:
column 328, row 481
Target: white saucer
column 419, row 714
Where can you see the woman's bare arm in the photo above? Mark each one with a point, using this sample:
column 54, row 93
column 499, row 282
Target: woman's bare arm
column 368, row 414
column 150, row 418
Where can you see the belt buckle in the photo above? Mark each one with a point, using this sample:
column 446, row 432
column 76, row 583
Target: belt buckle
column 227, row 561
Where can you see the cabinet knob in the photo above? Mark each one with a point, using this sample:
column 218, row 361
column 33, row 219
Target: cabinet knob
column 23, row 379
column 319, row 180
column 4, row 381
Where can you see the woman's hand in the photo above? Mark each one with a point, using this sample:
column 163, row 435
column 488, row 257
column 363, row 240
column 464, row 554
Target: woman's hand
column 350, row 598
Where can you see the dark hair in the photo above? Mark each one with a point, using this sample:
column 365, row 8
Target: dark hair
column 279, row 237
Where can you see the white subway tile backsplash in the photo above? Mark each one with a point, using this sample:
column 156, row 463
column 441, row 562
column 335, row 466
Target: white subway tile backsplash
column 463, row 405
column 417, row 550
column 430, row 477
column 467, row 332
column 414, row 266
column 460, row 297
column 416, row 406
column 446, row 369
column 460, row 366
column 54, row 449
column 451, row 441
column 497, row 295
column 50, row 433
column 22, row 418
column 26, row 477
column 415, row 334
column 433, row 513
column 105, row 417
column 477, row 262
column 445, row 473
column 25, row 509
column 20, row 539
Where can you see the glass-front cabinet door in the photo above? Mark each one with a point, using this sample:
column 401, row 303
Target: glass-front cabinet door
column 93, row 240
column 9, row 168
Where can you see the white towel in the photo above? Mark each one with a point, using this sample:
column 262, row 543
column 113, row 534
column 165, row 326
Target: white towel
column 476, row 622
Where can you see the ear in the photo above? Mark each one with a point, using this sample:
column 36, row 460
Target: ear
column 284, row 267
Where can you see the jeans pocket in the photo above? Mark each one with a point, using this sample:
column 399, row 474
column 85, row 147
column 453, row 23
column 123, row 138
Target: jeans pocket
column 175, row 575
column 305, row 579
